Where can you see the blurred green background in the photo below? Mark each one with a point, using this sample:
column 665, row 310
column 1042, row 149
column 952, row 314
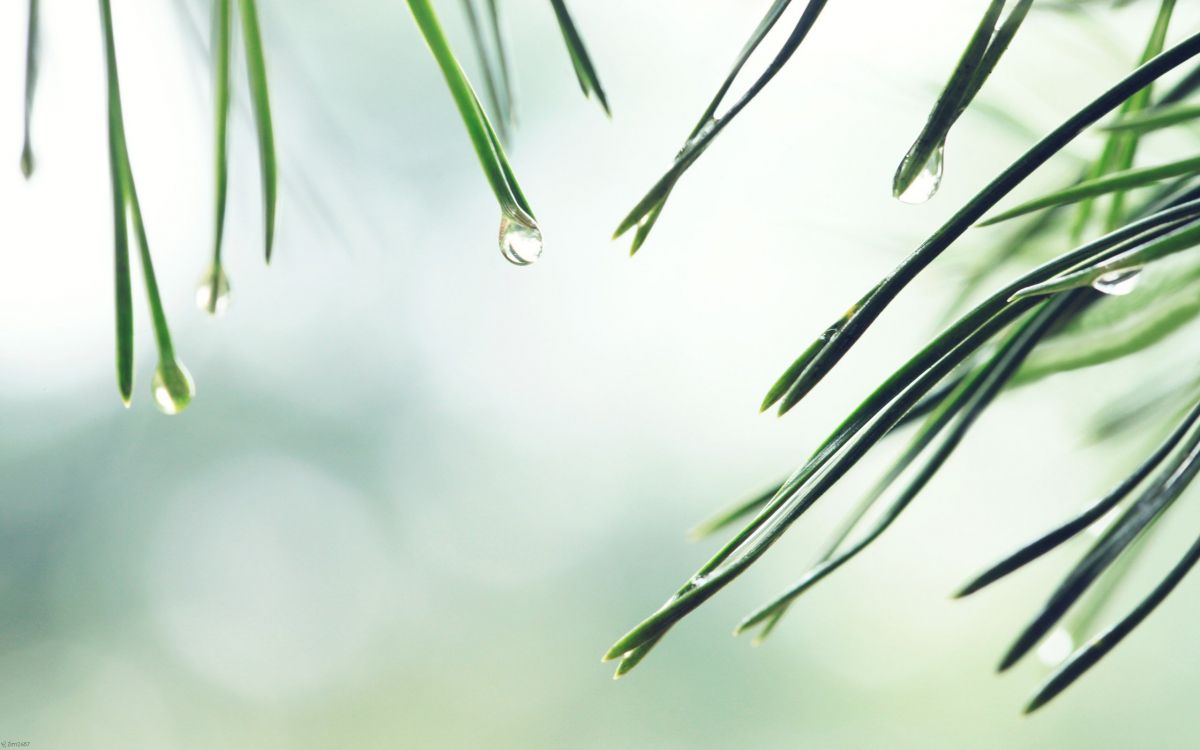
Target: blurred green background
column 420, row 491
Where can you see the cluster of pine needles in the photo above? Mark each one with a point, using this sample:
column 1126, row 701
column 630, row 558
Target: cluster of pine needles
column 1121, row 222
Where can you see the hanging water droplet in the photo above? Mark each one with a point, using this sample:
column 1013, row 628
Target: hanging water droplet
column 27, row 162
column 520, row 241
column 1118, row 283
column 172, row 387
column 212, row 293
column 926, row 183
column 1055, row 649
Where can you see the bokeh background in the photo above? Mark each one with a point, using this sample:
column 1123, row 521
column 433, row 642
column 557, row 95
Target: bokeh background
column 420, row 491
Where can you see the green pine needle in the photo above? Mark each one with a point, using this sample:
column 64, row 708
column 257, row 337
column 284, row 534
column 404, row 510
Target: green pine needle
column 256, row 71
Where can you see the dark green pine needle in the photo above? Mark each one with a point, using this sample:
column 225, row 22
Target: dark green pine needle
column 1089, row 516
column 944, row 430
column 585, row 71
column 869, row 423
column 1154, row 500
column 830, row 349
column 837, row 455
column 644, row 215
column 983, row 52
column 1092, row 652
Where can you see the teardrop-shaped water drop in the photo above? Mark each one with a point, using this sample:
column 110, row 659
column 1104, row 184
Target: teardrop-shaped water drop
column 1118, row 283
column 212, row 293
column 27, row 162
column 927, row 181
column 520, row 240
column 1056, row 647
column 172, row 387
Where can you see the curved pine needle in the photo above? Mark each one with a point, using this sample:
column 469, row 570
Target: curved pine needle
column 483, row 137
column 968, row 76
column 1110, row 183
column 819, row 359
column 585, row 71
column 828, row 465
column 1087, row 657
column 31, row 74
column 950, row 423
column 932, row 400
column 1162, row 492
column 1052, row 539
column 256, row 71
column 1176, row 242
column 1136, row 332
column 646, row 212
column 874, row 418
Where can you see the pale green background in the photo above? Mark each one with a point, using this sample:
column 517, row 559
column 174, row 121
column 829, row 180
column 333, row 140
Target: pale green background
column 420, row 491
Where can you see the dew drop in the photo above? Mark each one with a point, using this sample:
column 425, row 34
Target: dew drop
column 520, row 240
column 926, row 183
column 1055, row 649
column 212, row 293
column 27, row 162
column 1118, row 283
column 172, row 387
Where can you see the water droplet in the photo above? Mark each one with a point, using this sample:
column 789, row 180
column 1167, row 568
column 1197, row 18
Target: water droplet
column 926, row 183
column 212, row 293
column 27, row 162
column 1055, row 649
column 1118, row 283
column 173, row 387
column 520, row 240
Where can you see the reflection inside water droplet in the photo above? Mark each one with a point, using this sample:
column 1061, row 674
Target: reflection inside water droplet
column 172, row 387
column 520, row 241
column 1118, row 283
column 212, row 293
column 1056, row 647
column 926, row 183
